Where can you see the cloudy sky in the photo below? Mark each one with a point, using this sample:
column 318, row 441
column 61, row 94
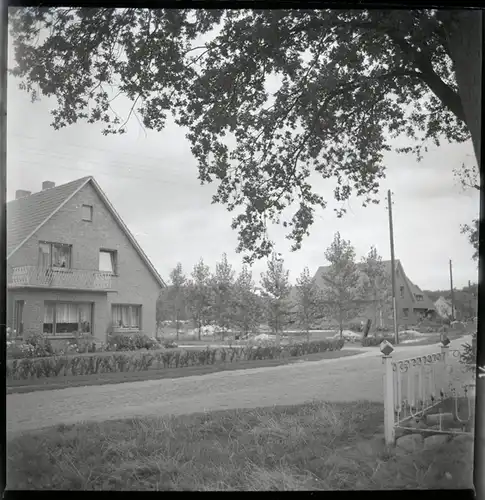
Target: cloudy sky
column 151, row 178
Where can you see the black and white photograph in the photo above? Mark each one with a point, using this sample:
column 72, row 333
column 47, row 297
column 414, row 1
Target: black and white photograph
column 242, row 247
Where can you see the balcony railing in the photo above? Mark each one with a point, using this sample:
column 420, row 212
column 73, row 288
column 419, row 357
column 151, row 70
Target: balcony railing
column 71, row 279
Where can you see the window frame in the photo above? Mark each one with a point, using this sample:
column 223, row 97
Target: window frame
column 117, row 328
column 55, row 303
column 83, row 206
column 114, row 260
column 405, row 312
column 51, row 253
column 401, row 291
column 419, row 297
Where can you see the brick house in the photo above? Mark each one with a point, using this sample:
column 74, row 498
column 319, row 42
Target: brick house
column 74, row 267
column 412, row 303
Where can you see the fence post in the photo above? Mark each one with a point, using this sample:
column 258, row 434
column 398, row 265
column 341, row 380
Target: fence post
column 389, row 431
column 444, row 351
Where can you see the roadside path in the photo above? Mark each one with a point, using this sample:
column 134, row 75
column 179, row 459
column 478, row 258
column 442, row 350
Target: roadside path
column 349, row 378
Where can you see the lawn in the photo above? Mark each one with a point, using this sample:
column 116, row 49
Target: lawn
column 61, row 382
column 315, row 446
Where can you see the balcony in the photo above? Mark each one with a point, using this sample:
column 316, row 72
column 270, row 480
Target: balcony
column 63, row 279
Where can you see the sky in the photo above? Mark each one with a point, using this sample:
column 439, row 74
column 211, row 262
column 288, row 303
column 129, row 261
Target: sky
column 151, row 179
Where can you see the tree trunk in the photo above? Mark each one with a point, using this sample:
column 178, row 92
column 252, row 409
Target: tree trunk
column 464, row 35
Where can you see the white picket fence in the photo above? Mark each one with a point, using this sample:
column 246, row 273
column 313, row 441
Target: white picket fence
column 412, row 387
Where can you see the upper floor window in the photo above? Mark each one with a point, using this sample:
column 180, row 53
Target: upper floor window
column 54, row 255
column 401, row 291
column 405, row 312
column 419, row 298
column 108, row 261
column 87, row 212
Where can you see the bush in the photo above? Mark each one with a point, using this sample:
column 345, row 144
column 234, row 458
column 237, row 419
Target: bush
column 96, row 363
column 469, row 354
column 355, row 327
column 125, row 342
column 375, row 341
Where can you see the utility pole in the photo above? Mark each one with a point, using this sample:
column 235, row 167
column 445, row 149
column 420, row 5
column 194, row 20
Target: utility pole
column 393, row 268
column 452, row 293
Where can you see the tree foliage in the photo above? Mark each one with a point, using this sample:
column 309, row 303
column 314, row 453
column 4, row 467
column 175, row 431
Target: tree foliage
column 377, row 285
column 199, row 295
column 247, row 305
column 308, row 300
column 275, row 289
column 176, row 295
column 346, row 84
column 342, row 293
column 223, row 295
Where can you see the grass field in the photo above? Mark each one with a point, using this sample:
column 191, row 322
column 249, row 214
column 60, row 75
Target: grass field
column 61, row 382
column 315, row 446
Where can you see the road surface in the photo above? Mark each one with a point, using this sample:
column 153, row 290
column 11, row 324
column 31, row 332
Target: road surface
column 350, row 378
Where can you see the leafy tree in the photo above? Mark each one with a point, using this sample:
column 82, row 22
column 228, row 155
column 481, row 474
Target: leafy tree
column 247, row 306
column 472, row 234
column 348, row 83
column 377, row 285
column 342, row 292
column 222, row 295
column 275, row 289
column 309, row 301
column 176, row 295
column 199, row 295
column 469, row 178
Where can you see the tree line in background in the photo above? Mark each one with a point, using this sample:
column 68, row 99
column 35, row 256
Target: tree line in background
column 344, row 290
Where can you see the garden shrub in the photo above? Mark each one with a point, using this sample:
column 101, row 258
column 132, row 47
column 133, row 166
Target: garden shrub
column 376, row 341
column 469, row 355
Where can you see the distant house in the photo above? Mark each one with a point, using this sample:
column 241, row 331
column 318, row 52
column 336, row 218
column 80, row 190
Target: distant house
column 73, row 266
column 412, row 303
column 443, row 308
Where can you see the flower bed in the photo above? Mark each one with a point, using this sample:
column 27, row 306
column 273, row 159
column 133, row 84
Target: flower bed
column 103, row 363
column 37, row 346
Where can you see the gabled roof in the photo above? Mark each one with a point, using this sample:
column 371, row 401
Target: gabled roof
column 413, row 289
column 25, row 216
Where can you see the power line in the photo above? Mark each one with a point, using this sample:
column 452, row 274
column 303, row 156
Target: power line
column 110, row 174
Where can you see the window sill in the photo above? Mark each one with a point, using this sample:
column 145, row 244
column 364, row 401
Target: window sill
column 126, row 330
column 60, row 337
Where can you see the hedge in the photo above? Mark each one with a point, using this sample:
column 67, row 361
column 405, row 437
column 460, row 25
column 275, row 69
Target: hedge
column 119, row 362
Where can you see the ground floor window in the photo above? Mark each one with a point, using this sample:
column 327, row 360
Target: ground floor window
column 126, row 316
column 64, row 318
column 18, row 321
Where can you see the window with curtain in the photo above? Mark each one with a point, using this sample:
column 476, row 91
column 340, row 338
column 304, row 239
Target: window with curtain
column 126, row 316
column 107, row 261
column 54, row 255
column 63, row 318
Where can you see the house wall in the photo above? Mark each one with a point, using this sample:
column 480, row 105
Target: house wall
column 135, row 283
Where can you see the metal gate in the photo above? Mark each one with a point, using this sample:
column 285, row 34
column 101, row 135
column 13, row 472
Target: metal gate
column 436, row 384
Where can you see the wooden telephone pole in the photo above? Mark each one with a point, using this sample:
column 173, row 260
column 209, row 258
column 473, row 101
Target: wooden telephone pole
column 393, row 269
column 452, row 293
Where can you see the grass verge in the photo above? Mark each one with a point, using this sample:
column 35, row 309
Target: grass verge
column 62, row 382
column 315, row 446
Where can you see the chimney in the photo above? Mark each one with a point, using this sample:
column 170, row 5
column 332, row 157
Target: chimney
column 20, row 193
column 48, row 185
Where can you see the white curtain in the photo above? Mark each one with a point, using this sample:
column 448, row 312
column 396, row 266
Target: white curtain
column 66, row 313
column 126, row 316
column 44, row 255
column 49, row 313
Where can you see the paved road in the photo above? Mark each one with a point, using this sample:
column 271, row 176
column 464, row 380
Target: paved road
column 342, row 379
